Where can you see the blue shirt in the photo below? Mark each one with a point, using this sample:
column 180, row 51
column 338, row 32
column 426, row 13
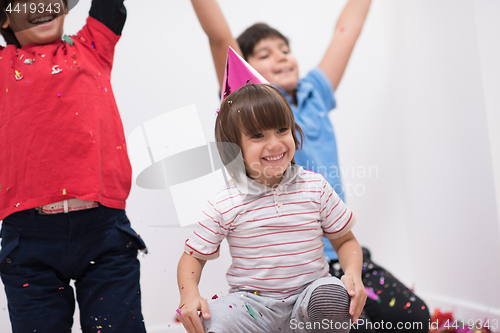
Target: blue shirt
column 315, row 99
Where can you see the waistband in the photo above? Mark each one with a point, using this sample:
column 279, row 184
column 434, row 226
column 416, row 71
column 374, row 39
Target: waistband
column 67, row 206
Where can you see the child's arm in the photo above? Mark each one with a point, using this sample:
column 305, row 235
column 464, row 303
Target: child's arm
column 346, row 33
column 111, row 13
column 219, row 35
column 351, row 261
column 188, row 277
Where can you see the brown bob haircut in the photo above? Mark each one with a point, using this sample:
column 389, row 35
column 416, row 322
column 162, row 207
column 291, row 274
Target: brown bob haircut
column 8, row 34
column 250, row 110
column 254, row 34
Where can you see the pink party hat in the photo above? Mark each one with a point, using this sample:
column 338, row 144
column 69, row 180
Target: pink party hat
column 238, row 73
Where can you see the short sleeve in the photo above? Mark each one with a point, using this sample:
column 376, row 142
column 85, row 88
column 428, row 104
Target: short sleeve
column 336, row 218
column 322, row 86
column 205, row 242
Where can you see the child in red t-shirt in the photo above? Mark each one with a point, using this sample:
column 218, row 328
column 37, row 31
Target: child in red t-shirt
column 65, row 173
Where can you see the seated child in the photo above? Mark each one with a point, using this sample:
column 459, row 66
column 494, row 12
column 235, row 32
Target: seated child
column 65, row 173
column 274, row 215
column 312, row 98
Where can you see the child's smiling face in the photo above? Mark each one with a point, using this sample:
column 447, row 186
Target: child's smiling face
column 268, row 154
column 271, row 57
column 40, row 26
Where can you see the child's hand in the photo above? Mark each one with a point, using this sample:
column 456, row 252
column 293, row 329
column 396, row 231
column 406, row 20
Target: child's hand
column 187, row 313
column 356, row 290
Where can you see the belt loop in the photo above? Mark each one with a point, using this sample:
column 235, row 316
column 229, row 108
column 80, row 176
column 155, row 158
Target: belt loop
column 65, row 205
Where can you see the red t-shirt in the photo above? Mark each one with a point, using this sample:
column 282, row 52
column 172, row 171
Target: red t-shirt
column 61, row 134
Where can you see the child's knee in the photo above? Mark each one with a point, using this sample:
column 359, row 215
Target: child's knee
column 329, row 305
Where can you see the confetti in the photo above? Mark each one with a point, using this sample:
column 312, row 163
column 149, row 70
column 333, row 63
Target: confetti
column 371, row 294
column 28, row 61
column 392, row 302
column 64, row 191
column 256, row 293
column 68, row 40
column 251, row 311
column 92, row 45
column 407, row 305
column 25, row 285
column 18, row 75
column 56, row 70
column 215, row 296
column 180, row 314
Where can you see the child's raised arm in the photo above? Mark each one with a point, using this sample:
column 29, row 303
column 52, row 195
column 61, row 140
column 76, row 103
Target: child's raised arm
column 217, row 30
column 188, row 277
column 351, row 261
column 111, row 13
column 346, row 33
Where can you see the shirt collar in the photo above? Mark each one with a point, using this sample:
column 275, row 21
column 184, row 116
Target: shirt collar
column 247, row 185
column 304, row 90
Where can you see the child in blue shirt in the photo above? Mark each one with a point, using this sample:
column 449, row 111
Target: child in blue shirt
column 311, row 98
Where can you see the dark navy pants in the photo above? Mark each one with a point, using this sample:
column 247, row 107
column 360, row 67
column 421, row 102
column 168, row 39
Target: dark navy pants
column 95, row 247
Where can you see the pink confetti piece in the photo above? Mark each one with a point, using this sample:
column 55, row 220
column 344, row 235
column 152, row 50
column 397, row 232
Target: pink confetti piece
column 371, row 294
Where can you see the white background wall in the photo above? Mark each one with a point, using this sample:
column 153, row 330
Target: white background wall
column 419, row 104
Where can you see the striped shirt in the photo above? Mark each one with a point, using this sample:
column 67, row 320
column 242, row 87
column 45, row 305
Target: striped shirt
column 274, row 234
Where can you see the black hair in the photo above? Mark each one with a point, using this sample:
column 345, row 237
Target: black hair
column 254, row 34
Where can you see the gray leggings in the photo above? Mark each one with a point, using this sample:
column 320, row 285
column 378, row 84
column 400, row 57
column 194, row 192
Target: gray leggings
column 322, row 307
